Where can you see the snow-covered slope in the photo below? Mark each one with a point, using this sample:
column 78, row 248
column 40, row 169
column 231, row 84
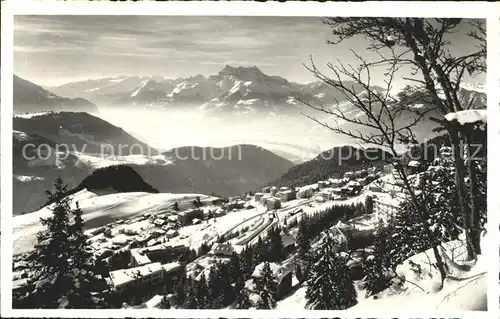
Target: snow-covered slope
column 98, row 211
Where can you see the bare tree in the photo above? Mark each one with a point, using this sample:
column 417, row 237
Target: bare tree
column 423, row 46
column 379, row 126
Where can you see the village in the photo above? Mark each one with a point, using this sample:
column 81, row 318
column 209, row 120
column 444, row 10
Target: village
column 154, row 249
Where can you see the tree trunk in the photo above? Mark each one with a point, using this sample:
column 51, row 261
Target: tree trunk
column 423, row 215
column 475, row 233
column 461, row 193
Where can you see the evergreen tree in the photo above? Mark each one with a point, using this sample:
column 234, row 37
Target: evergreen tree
column 82, row 265
column 236, row 268
column 190, row 301
column 330, row 286
column 276, row 250
column 303, row 248
column 216, row 297
column 247, row 262
column 180, row 290
column 201, row 293
column 165, row 304
column 259, row 252
column 63, row 269
column 242, row 297
column 266, row 288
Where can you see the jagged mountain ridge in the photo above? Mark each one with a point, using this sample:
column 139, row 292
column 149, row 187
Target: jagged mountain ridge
column 232, row 88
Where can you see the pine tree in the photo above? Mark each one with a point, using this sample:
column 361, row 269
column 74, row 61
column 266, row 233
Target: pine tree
column 259, row 252
column 303, row 248
column 54, row 253
column 266, row 288
column 242, row 297
column 276, row 250
column 201, row 293
column 215, row 289
column 236, row 268
column 330, row 286
column 190, row 301
column 180, row 290
column 247, row 262
column 82, row 264
column 165, row 304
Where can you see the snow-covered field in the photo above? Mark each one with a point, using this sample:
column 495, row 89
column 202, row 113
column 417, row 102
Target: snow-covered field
column 99, row 211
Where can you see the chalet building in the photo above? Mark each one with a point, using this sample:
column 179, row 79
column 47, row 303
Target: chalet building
column 158, row 222
column 321, row 184
column 334, row 182
column 286, row 195
column 258, row 196
column 273, row 203
column 222, row 249
column 305, row 192
column 186, row 217
column 127, row 279
column 273, row 190
column 283, row 277
column 263, row 199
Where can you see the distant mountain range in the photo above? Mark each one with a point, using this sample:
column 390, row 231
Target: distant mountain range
column 31, row 98
column 223, row 171
column 233, row 88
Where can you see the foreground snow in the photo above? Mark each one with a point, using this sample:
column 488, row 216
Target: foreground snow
column 99, row 211
column 464, row 289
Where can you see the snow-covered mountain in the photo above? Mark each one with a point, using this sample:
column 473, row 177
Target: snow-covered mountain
column 103, row 90
column 231, row 89
column 29, row 97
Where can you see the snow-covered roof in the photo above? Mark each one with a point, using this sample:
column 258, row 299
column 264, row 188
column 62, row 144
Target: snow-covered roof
column 123, row 276
column 172, row 218
column 139, row 257
column 171, row 266
column 154, row 302
column 278, row 271
column 222, row 247
column 467, row 116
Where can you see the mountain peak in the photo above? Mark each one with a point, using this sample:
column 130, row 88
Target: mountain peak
column 239, row 70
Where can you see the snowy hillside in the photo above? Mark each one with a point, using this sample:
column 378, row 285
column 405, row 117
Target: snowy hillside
column 99, row 210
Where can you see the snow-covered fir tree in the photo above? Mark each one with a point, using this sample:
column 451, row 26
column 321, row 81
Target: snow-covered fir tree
column 276, row 250
column 266, row 288
column 242, row 296
column 201, row 291
column 303, row 251
column 64, row 271
column 330, row 286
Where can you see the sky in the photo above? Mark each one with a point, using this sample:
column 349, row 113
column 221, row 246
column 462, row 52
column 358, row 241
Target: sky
column 52, row 50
